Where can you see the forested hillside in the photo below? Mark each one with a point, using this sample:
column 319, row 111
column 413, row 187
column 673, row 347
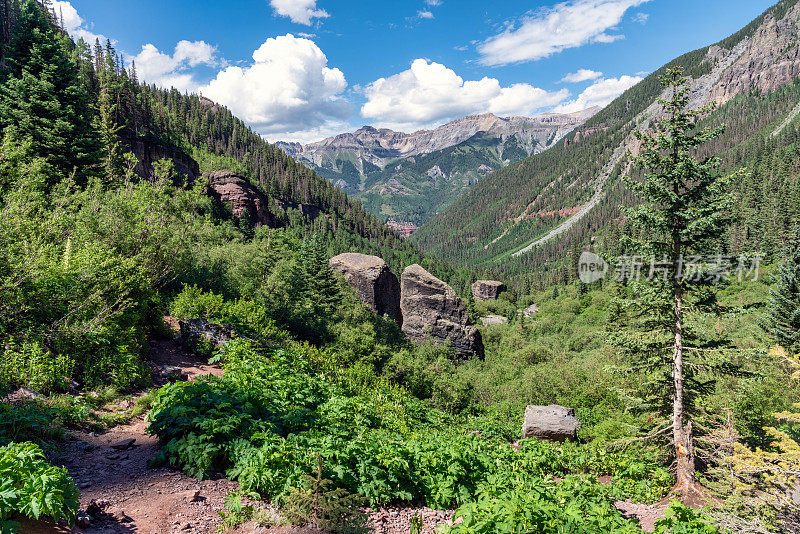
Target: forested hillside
column 518, row 205
column 168, row 366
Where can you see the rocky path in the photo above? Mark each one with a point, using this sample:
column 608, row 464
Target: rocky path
column 121, row 494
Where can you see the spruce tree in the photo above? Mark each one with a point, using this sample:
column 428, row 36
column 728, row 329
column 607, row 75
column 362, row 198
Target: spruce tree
column 43, row 100
column 684, row 212
column 782, row 317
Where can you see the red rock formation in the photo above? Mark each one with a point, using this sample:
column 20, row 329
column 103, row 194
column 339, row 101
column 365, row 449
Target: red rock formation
column 240, row 196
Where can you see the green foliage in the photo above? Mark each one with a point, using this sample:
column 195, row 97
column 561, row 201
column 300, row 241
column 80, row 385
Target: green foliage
column 270, row 419
column 782, row 317
column 36, row 368
column 31, row 487
column 680, row 519
column 43, row 101
column 318, row 504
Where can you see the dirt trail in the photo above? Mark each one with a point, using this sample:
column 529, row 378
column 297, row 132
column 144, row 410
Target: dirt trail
column 122, row 495
column 112, row 471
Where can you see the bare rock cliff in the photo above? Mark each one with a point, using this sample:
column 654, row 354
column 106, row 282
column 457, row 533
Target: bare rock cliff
column 374, row 282
column 770, row 60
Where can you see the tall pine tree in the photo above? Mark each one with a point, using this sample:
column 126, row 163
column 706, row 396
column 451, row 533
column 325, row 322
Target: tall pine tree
column 43, row 101
column 782, row 317
column 683, row 214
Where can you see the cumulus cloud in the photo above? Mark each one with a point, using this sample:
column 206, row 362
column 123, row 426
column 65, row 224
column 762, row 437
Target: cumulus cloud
column 583, row 75
column 172, row 70
column 76, row 27
column 425, row 14
column 288, row 88
column 430, row 93
column 299, row 11
column 548, row 31
column 600, row 93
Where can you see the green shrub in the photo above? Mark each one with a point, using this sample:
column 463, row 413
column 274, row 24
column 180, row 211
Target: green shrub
column 31, row 487
column 32, row 366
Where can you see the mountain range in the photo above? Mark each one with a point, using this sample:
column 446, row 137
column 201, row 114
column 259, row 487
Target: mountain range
column 408, row 178
column 523, row 220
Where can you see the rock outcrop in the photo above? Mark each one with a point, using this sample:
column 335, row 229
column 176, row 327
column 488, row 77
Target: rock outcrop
column 203, row 336
column 493, row 320
column 554, row 423
column 240, row 196
column 487, row 289
column 374, row 283
column 432, row 310
column 531, row 310
column 148, row 152
column 770, row 60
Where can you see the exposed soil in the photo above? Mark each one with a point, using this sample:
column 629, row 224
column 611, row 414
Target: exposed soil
column 647, row 514
column 119, row 491
column 120, row 494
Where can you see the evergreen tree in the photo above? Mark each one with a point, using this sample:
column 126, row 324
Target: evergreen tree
column 321, row 286
column 43, row 101
column 782, row 317
column 683, row 213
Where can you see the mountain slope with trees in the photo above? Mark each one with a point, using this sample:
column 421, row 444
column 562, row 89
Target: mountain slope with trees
column 749, row 74
column 411, row 177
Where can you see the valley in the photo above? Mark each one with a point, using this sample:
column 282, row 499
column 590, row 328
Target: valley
column 408, row 178
column 518, row 321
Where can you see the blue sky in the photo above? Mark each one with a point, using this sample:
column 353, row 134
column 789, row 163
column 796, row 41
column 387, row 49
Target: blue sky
column 306, row 69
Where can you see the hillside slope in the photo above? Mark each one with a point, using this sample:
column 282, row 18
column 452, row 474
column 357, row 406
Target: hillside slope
column 523, row 219
column 410, row 177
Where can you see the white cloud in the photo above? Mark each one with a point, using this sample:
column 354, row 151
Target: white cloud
column 583, row 75
column 288, row 88
column 550, row 30
column 429, row 93
column 425, row 14
column 300, row 11
column 600, row 93
column 641, row 18
column 76, row 27
column 433, row 2
column 167, row 70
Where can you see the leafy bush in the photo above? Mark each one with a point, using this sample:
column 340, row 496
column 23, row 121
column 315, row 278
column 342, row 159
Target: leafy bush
column 30, row 365
column 31, row 487
column 270, row 418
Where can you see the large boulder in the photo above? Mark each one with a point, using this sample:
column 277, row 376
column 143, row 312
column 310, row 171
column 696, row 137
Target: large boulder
column 487, row 289
column 554, row 423
column 375, row 284
column 240, row 196
column 432, row 310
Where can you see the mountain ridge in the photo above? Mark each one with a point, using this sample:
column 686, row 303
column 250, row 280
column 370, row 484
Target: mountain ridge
column 411, row 176
column 484, row 227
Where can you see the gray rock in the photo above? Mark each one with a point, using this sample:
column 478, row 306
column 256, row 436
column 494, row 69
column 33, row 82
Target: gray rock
column 531, row 310
column 375, row 284
column 432, row 310
column 203, row 336
column 554, row 423
column 487, row 289
column 491, row 320
column 124, row 444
